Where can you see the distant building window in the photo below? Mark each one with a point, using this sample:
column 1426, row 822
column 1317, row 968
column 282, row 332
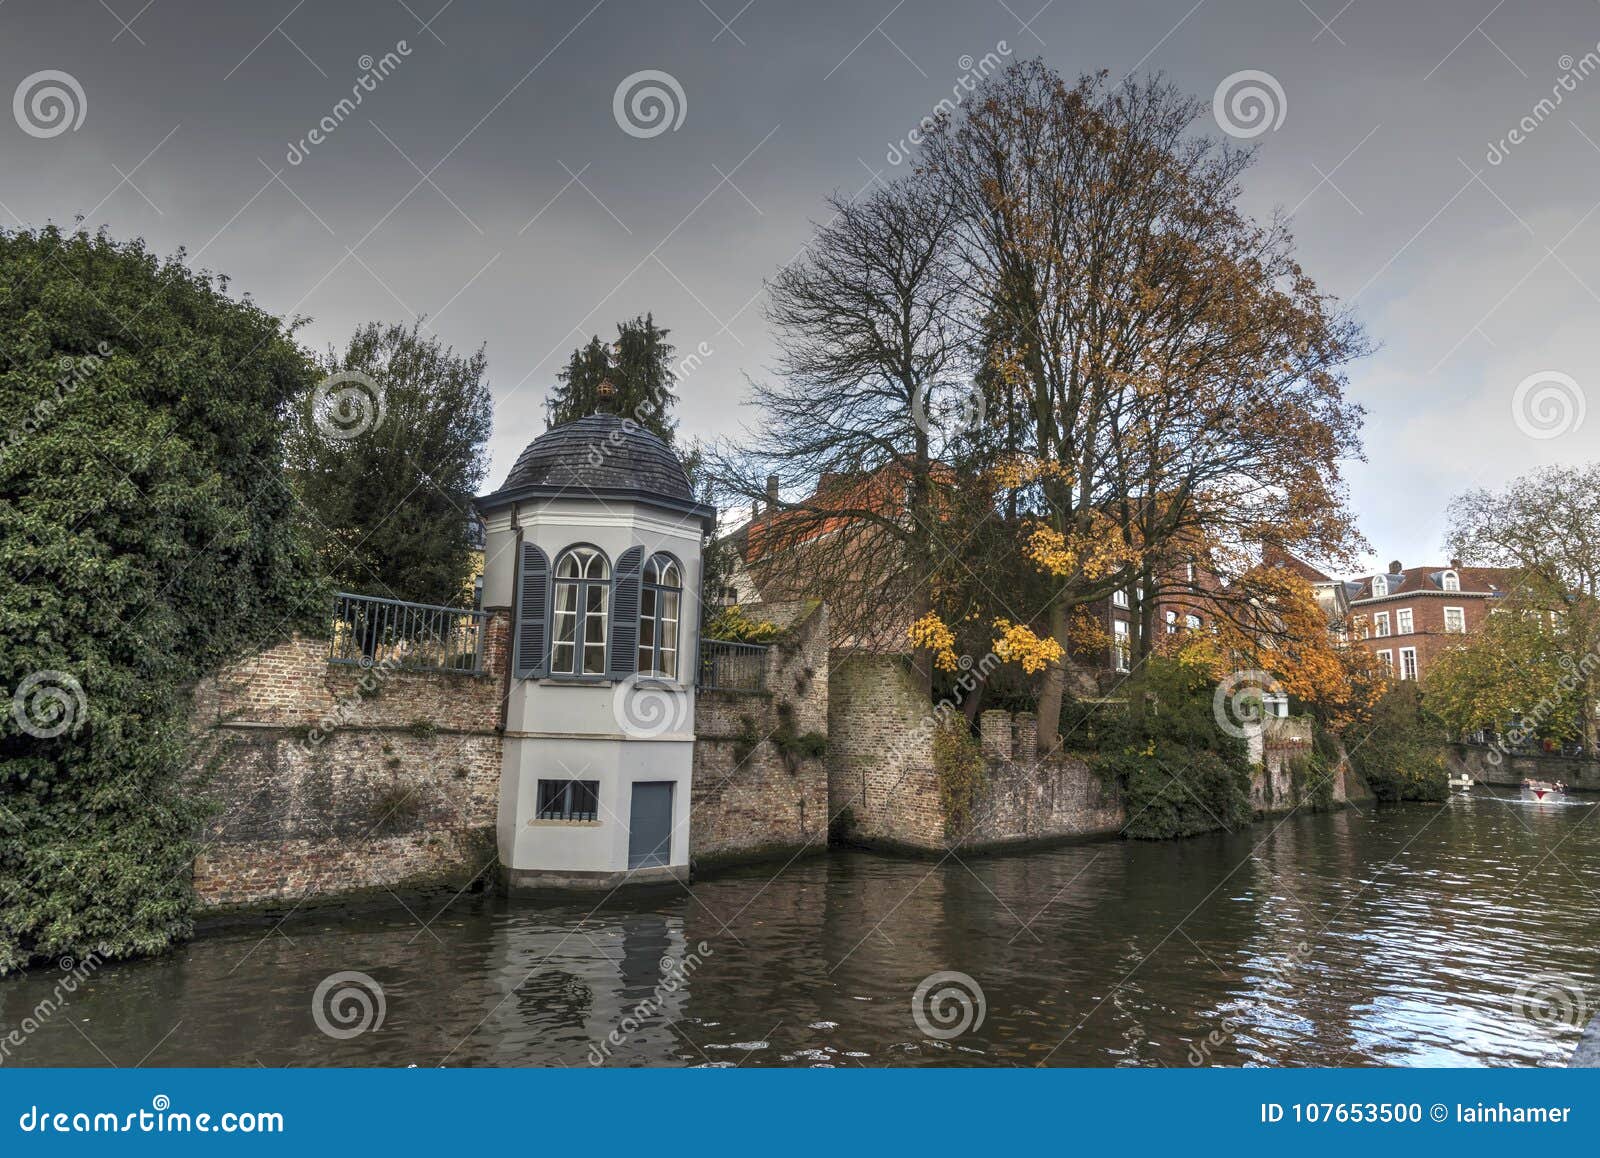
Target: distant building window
column 1408, row 663
column 659, row 594
column 1402, row 622
column 1191, row 570
column 1121, row 653
column 1450, row 581
column 1172, row 623
column 1380, row 624
column 1119, row 598
column 1455, row 620
column 571, row 800
column 1386, row 658
column 583, row 596
column 1380, row 586
column 1192, row 622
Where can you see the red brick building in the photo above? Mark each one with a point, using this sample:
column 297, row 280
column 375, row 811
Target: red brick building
column 1407, row 616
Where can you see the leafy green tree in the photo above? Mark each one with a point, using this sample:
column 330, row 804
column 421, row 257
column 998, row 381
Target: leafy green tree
column 1546, row 526
column 1513, row 668
column 387, row 453
column 1400, row 753
column 146, row 536
column 638, row 365
column 1177, row 771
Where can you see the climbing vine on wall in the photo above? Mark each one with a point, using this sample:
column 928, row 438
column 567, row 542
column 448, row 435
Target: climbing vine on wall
column 959, row 763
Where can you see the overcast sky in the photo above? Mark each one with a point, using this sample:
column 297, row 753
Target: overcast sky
column 488, row 183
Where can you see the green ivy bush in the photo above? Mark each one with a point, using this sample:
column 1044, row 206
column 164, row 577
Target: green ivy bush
column 145, row 537
column 1178, row 772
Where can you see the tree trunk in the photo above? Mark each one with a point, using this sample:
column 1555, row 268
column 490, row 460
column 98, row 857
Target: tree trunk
column 1054, row 685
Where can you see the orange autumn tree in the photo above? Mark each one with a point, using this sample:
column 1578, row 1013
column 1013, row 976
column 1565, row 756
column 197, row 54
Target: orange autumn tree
column 1287, row 634
column 1157, row 368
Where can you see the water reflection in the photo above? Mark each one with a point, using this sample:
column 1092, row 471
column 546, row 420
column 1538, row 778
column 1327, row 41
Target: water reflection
column 1395, row 937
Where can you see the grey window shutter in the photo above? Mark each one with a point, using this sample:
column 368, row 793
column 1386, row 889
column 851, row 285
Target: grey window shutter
column 625, row 613
column 533, row 613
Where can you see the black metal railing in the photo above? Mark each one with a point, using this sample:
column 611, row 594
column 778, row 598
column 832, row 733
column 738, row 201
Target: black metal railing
column 371, row 632
column 726, row 666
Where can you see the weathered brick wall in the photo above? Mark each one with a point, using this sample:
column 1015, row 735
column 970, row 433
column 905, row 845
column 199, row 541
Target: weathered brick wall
column 1025, row 798
column 333, row 779
column 750, row 796
column 880, row 753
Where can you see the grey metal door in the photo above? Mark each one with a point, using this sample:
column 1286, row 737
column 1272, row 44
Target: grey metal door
column 650, row 825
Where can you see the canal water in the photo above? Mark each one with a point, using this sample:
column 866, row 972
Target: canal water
column 1467, row 934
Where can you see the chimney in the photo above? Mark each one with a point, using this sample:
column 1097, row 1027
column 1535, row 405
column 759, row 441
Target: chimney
column 1455, row 564
column 772, row 492
column 1394, row 567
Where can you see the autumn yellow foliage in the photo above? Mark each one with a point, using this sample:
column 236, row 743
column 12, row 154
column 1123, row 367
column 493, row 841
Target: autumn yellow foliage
column 930, row 632
column 1017, row 643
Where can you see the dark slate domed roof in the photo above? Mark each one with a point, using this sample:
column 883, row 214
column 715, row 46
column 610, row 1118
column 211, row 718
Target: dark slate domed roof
column 603, row 457
column 601, row 453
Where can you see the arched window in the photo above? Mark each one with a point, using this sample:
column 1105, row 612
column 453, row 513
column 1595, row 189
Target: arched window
column 1450, row 581
column 660, row 593
column 583, row 599
column 1380, row 586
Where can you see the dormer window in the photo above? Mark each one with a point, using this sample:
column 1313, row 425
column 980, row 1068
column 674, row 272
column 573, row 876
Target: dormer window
column 1450, row 581
column 582, row 606
column 1380, row 586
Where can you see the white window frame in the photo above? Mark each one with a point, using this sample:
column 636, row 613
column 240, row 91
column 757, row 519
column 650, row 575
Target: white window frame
column 1121, row 644
column 1386, row 658
column 1380, row 624
column 1119, row 597
column 1191, row 622
column 1380, row 586
column 1408, row 663
column 1460, row 611
column 1404, row 621
column 1450, row 581
column 660, row 605
column 572, row 617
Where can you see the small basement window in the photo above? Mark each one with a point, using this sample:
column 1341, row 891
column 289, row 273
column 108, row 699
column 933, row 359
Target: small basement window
column 571, row 800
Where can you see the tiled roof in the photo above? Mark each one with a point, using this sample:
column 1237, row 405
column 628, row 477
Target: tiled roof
column 1410, row 580
column 601, row 453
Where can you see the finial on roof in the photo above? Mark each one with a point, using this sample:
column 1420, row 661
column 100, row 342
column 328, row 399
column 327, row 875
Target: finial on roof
column 605, row 395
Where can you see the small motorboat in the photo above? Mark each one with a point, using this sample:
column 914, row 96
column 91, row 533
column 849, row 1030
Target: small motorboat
column 1544, row 791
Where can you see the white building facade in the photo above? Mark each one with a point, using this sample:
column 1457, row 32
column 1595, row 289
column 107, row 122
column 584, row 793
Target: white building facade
column 594, row 544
